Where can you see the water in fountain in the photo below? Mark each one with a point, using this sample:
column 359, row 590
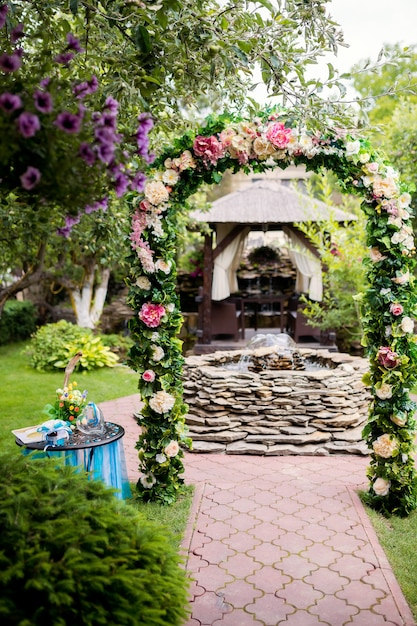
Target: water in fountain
column 282, row 344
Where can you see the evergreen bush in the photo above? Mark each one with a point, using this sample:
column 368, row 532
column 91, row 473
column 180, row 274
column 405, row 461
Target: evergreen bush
column 17, row 321
column 71, row 553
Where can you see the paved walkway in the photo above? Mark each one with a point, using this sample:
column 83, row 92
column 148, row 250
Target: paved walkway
column 279, row 541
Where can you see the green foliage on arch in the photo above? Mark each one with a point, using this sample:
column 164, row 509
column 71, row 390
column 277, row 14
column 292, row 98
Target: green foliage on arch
column 388, row 307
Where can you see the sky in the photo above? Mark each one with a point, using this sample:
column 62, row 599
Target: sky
column 369, row 24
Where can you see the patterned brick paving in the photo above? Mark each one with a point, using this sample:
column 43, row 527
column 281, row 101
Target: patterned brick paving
column 279, row 541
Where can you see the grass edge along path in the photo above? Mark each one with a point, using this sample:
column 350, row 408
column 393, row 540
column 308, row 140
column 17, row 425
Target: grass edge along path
column 397, row 536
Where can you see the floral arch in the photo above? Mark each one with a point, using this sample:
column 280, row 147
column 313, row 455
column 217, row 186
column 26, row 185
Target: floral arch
column 388, row 307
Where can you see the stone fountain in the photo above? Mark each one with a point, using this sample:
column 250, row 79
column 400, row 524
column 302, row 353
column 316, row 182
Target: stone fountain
column 276, row 399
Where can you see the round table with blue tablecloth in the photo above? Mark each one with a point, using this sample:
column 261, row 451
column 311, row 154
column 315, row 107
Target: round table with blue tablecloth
column 101, row 454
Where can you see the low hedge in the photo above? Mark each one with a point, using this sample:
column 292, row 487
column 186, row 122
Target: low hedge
column 71, row 553
column 17, row 321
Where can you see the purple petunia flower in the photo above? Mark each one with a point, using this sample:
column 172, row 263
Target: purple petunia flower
column 17, row 33
column 43, row 101
column 99, row 205
column 109, row 120
column 87, row 153
column 105, row 152
column 70, row 221
column 104, row 134
column 145, row 122
column 138, row 182
column 30, row 178
column 111, row 104
column 114, row 168
column 143, row 144
column 86, row 88
column 3, row 14
column 29, row 124
column 121, row 184
column 44, row 82
column 9, row 102
column 64, row 58
column 73, row 43
column 80, row 90
column 68, row 122
column 10, row 62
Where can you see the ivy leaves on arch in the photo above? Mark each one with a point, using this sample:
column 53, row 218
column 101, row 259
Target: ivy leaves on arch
column 388, row 308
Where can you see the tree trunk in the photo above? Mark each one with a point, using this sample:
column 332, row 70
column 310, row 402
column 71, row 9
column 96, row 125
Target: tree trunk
column 30, row 277
column 100, row 294
column 87, row 302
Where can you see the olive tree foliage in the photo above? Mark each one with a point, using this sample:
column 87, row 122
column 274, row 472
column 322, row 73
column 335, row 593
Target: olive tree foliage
column 166, row 57
column 383, row 85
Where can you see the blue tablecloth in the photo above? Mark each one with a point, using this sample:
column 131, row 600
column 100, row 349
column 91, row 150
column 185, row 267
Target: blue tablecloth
column 104, row 458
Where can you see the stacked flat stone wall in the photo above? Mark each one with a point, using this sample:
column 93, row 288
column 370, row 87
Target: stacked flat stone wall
column 277, row 412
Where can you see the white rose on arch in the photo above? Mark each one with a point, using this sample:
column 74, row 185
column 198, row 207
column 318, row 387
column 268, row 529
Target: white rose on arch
column 157, row 353
column 383, row 391
column 147, row 481
column 143, row 283
column 353, row 147
column 407, row 325
column 172, row 448
column 163, row 266
column 381, row 487
column 162, row 402
column 385, row 446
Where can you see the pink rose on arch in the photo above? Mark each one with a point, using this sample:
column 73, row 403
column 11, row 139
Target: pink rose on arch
column 148, row 376
column 278, row 135
column 387, row 358
column 145, row 205
column 396, row 308
column 209, row 148
column 151, row 314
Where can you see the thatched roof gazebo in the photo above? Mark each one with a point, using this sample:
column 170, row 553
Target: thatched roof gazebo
column 269, row 202
column 266, row 204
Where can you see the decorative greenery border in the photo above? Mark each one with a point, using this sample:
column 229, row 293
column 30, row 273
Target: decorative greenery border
column 388, row 307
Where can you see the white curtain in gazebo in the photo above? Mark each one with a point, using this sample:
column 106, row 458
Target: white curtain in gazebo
column 309, row 272
column 226, row 264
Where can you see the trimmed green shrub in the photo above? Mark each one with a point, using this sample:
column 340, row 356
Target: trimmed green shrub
column 118, row 343
column 53, row 345
column 71, row 553
column 17, row 321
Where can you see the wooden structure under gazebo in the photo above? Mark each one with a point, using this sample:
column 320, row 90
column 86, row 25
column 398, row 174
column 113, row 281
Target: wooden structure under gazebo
column 266, row 204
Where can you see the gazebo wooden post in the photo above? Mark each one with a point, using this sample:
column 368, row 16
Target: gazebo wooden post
column 207, row 280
